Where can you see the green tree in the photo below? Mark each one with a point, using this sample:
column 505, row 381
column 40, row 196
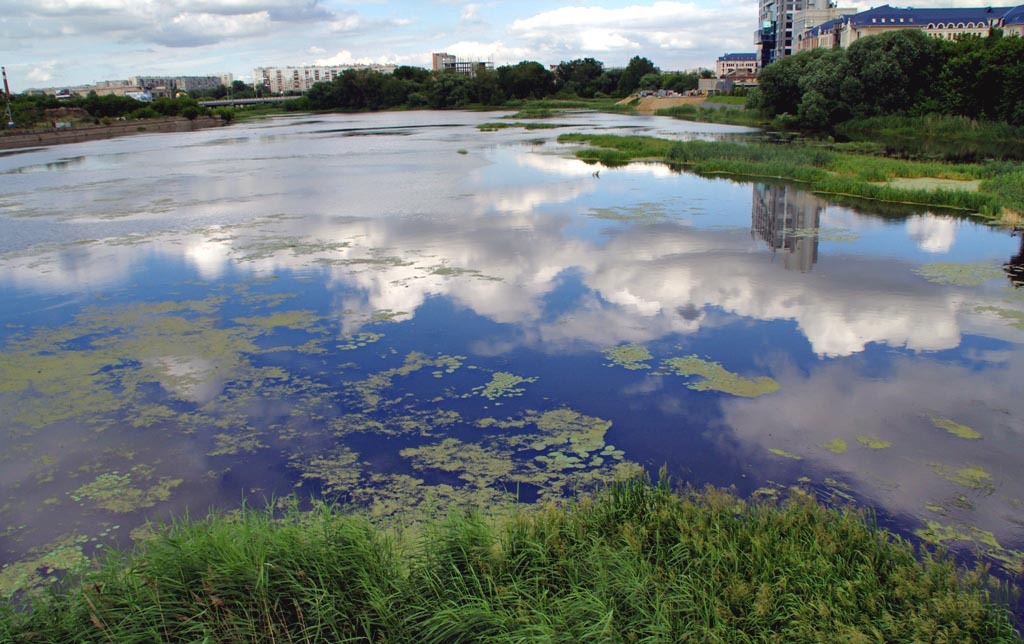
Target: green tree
column 637, row 68
column 579, row 76
column 527, row 79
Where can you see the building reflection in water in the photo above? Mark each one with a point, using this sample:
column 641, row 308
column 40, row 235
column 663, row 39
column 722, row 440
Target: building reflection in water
column 787, row 219
column 1014, row 267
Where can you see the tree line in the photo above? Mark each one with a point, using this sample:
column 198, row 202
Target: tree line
column 415, row 87
column 904, row 72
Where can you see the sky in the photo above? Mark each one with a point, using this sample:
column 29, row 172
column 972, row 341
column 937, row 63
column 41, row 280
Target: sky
column 60, row 43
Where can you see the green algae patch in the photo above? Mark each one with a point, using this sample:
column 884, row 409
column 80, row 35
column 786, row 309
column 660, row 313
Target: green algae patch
column 360, row 340
column 784, row 454
column 473, row 463
column 37, row 570
column 338, row 472
column 972, row 476
column 629, row 356
column 934, row 183
column 715, row 377
column 939, row 533
column 955, row 428
column 959, row 274
column 115, row 492
column 503, row 385
column 566, row 427
column 372, row 389
column 823, row 234
column 836, row 446
column 1013, row 316
column 873, row 442
column 295, row 320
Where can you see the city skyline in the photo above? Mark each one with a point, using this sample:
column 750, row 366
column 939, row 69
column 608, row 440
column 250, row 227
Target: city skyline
column 74, row 42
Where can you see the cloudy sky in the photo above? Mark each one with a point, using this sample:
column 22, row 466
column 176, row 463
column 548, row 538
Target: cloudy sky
column 47, row 43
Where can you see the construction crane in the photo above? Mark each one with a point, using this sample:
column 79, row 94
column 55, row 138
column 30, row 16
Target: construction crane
column 7, row 97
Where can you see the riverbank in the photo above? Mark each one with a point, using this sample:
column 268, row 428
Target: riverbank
column 993, row 190
column 636, row 562
column 41, row 138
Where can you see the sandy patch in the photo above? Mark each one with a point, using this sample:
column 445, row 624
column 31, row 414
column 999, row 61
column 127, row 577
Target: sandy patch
column 931, row 183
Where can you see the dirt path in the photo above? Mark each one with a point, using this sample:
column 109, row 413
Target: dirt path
column 653, row 103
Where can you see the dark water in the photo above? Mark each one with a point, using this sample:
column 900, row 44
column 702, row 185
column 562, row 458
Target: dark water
column 403, row 313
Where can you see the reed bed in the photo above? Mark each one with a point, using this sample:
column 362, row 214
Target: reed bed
column 636, row 562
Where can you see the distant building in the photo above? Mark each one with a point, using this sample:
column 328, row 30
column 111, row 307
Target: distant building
column 732, row 62
column 444, row 62
column 781, row 20
column 945, row 23
column 278, row 80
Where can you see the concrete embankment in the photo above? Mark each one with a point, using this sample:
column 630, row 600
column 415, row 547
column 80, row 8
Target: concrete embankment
column 11, row 140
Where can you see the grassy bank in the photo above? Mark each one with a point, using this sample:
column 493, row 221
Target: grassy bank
column 636, row 562
column 728, row 116
column 992, row 189
column 955, row 138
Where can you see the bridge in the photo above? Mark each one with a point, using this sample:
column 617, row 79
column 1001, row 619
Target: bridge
column 232, row 102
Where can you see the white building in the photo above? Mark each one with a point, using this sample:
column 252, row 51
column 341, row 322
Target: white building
column 278, row 80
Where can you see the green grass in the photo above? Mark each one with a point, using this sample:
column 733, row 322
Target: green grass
column 955, row 138
column 635, row 562
column 728, row 100
column 728, row 116
column 826, row 170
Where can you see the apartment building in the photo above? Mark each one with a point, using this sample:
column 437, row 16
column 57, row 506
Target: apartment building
column 278, row 80
column 744, row 62
column 445, row 62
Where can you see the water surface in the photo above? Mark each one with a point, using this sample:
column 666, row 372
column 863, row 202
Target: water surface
column 401, row 312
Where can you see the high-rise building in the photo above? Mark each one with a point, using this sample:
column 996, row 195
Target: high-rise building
column 782, row 20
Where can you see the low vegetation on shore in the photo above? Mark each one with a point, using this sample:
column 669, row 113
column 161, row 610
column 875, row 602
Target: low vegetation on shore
column 635, row 562
column 993, row 190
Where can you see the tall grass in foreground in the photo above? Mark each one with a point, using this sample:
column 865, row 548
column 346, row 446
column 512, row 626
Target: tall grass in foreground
column 824, row 170
column 635, row 562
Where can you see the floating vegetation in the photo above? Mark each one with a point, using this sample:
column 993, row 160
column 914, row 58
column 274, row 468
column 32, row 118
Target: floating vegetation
column 503, row 385
column 629, row 356
column 477, row 465
column 959, row 274
column 938, row 533
column 114, row 492
column 972, row 476
column 836, row 446
column 955, row 428
column 823, row 234
column 230, row 444
column 715, row 377
column 296, row 320
column 360, row 340
column 785, row 454
column 1013, row 316
column 873, row 442
column 566, row 427
column 640, row 213
column 34, row 572
column 338, row 472
column 371, row 389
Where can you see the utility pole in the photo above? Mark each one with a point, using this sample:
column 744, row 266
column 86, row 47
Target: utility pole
column 7, row 97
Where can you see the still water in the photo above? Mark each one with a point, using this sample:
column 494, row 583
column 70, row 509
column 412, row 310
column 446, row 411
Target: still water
column 402, row 312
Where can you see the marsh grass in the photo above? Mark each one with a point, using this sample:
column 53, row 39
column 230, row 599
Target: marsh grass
column 731, row 115
column 635, row 562
column 827, row 171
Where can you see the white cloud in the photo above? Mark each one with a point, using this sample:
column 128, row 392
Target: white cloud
column 931, row 234
column 42, row 73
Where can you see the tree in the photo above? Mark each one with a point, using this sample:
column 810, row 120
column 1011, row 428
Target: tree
column 579, row 76
column 637, row 68
column 527, row 79
column 897, row 72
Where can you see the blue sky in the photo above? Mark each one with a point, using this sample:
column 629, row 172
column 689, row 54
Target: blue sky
column 45, row 43
column 56, row 43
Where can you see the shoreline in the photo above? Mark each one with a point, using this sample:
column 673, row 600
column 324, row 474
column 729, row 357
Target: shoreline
column 48, row 137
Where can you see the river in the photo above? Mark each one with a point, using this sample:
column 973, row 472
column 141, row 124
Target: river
column 404, row 313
